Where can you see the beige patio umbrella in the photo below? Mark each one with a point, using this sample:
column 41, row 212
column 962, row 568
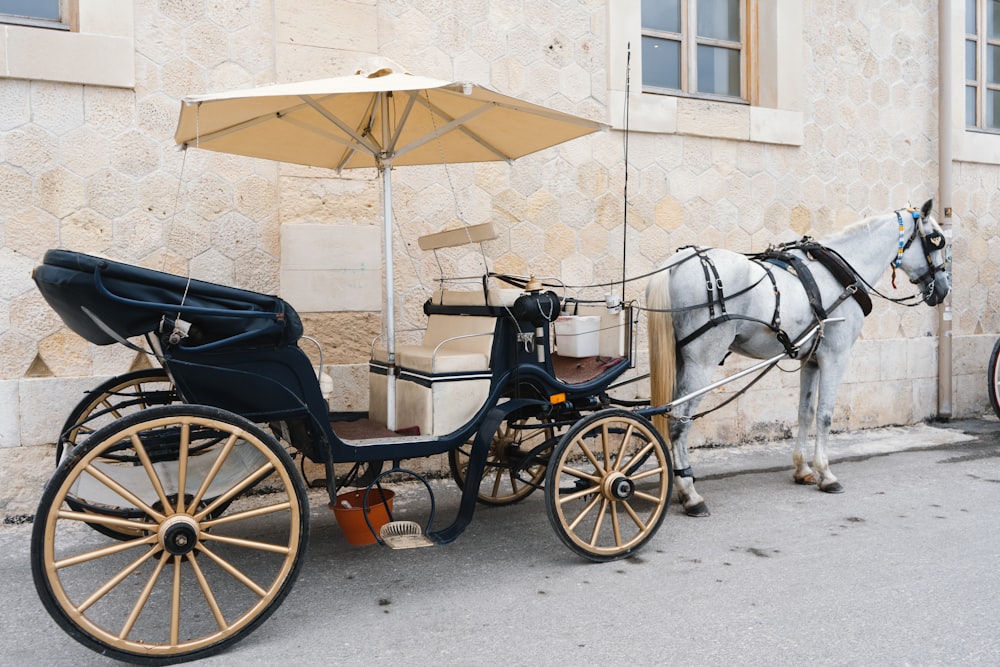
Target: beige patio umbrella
column 382, row 119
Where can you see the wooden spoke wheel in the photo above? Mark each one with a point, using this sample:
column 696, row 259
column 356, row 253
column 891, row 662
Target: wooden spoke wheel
column 113, row 399
column 509, row 474
column 993, row 378
column 219, row 521
column 608, row 485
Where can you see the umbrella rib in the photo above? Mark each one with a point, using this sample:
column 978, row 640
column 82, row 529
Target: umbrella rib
column 390, row 147
column 217, row 134
column 452, row 124
column 551, row 114
column 359, row 139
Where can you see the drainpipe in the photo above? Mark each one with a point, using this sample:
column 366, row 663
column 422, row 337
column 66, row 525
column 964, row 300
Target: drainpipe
column 944, row 199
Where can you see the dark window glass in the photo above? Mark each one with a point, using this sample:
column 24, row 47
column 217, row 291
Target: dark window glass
column 663, row 15
column 718, row 71
column 719, row 19
column 661, row 62
column 36, row 9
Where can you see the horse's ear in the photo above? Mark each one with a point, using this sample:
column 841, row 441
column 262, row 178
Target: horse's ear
column 925, row 210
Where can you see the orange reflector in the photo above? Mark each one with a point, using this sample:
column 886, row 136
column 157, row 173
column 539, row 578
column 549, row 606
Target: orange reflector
column 557, row 398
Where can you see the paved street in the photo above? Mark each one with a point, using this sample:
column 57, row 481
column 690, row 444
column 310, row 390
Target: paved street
column 902, row 569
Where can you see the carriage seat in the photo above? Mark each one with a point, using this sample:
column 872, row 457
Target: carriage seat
column 454, row 342
column 445, row 379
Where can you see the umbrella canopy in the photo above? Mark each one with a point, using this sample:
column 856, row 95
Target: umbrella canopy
column 382, row 119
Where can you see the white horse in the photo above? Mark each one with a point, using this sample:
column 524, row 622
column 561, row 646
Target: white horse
column 707, row 302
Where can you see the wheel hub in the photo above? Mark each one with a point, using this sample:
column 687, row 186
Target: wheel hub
column 179, row 534
column 618, row 487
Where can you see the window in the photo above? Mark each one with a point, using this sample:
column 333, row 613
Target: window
column 695, row 47
column 37, row 13
column 982, row 64
column 730, row 69
column 93, row 42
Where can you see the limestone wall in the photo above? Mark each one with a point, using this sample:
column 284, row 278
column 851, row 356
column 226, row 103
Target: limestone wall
column 90, row 165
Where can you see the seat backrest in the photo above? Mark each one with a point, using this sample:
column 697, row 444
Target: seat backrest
column 460, row 333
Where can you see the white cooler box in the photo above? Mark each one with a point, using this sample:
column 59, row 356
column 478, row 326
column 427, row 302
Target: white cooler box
column 578, row 335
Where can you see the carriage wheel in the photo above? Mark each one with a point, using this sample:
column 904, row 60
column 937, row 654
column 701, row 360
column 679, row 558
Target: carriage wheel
column 113, row 399
column 608, row 485
column 993, row 378
column 220, row 521
column 507, row 476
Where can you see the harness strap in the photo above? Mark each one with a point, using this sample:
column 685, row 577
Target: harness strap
column 844, row 275
column 713, row 283
column 795, row 265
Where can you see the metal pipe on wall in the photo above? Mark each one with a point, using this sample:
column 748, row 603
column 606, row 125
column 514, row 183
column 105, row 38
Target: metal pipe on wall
column 944, row 200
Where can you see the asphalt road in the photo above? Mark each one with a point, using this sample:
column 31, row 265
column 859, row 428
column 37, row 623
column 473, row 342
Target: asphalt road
column 902, row 569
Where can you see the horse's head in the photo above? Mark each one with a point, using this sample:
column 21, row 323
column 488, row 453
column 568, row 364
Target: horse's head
column 924, row 262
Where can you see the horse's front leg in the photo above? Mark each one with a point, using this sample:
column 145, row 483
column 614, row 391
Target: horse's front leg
column 808, row 384
column 828, row 384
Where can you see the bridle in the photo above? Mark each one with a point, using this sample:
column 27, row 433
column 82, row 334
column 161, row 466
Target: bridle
column 931, row 243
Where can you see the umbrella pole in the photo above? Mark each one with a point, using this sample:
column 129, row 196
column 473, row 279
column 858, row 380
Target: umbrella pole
column 390, row 305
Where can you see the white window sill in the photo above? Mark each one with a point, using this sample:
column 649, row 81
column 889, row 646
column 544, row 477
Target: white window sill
column 675, row 115
column 102, row 53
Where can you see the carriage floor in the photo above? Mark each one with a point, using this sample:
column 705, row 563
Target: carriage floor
column 578, row 370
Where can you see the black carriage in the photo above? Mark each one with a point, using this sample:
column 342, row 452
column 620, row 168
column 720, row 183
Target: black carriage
column 177, row 520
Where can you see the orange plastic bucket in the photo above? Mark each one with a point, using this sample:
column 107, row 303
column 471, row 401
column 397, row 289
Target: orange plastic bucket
column 351, row 517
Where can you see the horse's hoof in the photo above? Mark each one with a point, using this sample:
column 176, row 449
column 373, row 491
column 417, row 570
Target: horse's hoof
column 836, row 487
column 700, row 509
column 806, row 480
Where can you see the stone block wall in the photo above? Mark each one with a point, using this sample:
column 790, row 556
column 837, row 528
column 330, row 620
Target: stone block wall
column 92, row 166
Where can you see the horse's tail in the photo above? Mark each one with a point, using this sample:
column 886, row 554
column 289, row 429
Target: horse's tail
column 662, row 347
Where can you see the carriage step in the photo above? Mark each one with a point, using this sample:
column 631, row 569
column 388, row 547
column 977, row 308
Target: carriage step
column 404, row 535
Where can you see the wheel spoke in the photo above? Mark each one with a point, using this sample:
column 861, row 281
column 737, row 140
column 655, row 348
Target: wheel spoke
column 140, row 450
column 596, row 533
column 182, row 465
column 581, row 493
column 615, row 525
column 229, row 495
column 115, row 580
column 646, row 496
column 590, row 455
column 144, row 596
column 231, row 569
column 635, row 517
column 639, row 456
column 244, row 543
column 103, row 552
column 206, row 590
column 645, row 474
column 175, row 604
column 585, row 511
column 620, row 456
column 124, row 493
column 245, row 514
column 216, row 467
column 107, row 520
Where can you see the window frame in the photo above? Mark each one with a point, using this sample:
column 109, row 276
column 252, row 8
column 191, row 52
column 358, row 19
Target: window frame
column 98, row 49
column 774, row 110
column 66, row 21
column 982, row 87
column 690, row 41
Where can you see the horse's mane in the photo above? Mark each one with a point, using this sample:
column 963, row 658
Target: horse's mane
column 852, row 229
